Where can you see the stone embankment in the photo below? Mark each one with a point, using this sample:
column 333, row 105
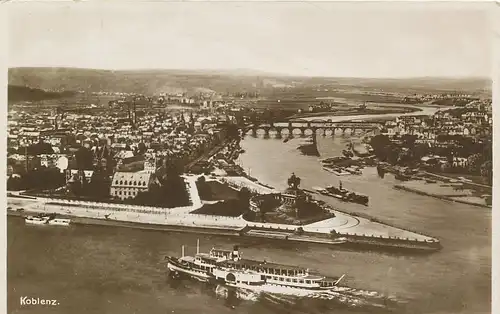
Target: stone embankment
column 356, row 230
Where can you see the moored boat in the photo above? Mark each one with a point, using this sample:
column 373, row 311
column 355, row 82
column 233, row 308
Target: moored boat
column 50, row 220
column 336, row 171
column 346, row 195
column 59, row 222
column 34, row 220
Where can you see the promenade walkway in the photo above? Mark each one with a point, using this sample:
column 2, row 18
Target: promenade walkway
column 240, row 182
column 342, row 223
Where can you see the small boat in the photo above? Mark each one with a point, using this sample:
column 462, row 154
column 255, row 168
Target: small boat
column 59, row 222
column 50, row 220
column 336, row 171
column 33, row 220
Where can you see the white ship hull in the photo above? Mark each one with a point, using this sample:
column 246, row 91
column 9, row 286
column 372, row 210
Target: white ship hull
column 30, row 220
column 194, row 274
column 59, row 222
column 275, row 289
column 35, row 221
column 226, row 268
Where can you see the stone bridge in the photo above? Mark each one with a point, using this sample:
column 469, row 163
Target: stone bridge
column 319, row 127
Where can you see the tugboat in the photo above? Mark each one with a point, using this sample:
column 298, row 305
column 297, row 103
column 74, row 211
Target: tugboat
column 348, row 196
column 226, row 267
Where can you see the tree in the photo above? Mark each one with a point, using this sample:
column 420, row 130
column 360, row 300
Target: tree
column 300, row 205
column 84, row 158
column 203, row 189
column 333, row 233
column 14, row 183
column 299, row 231
column 409, row 140
column 487, row 171
column 474, row 162
column 267, row 204
column 232, row 131
column 381, row 145
column 244, row 196
column 141, row 148
column 40, row 148
column 99, row 185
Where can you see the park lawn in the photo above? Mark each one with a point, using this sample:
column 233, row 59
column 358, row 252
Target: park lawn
column 232, row 208
column 216, row 191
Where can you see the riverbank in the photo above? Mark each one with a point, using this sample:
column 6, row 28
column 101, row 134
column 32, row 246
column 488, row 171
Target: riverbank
column 355, row 229
column 442, row 191
column 360, row 112
column 439, row 186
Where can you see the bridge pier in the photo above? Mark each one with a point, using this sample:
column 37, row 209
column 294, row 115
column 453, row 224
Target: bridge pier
column 278, row 133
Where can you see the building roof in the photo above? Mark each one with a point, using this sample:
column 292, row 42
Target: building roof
column 130, row 178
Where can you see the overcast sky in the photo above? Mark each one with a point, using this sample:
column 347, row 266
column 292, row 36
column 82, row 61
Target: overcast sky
column 313, row 39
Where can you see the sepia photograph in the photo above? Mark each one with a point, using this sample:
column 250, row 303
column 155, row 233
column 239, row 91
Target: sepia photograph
column 239, row 157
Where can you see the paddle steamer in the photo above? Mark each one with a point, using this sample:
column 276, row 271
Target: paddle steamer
column 226, row 267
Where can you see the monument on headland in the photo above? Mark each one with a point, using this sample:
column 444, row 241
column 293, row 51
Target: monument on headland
column 294, row 206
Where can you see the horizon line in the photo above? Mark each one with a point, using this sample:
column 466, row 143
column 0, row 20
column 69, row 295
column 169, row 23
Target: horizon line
column 262, row 73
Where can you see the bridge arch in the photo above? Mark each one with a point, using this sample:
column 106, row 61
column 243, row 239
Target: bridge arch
column 309, row 131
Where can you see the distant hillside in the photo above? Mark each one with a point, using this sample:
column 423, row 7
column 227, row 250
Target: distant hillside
column 222, row 81
column 417, row 85
column 22, row 93
column 134, row 81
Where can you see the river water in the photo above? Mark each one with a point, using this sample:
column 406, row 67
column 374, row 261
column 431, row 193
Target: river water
column 91, row 269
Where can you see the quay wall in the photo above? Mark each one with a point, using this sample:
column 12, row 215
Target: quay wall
column 352, row 237
column 176, row 219
column 144, row 226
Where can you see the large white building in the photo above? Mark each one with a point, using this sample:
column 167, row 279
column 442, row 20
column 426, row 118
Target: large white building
column 128, row 184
